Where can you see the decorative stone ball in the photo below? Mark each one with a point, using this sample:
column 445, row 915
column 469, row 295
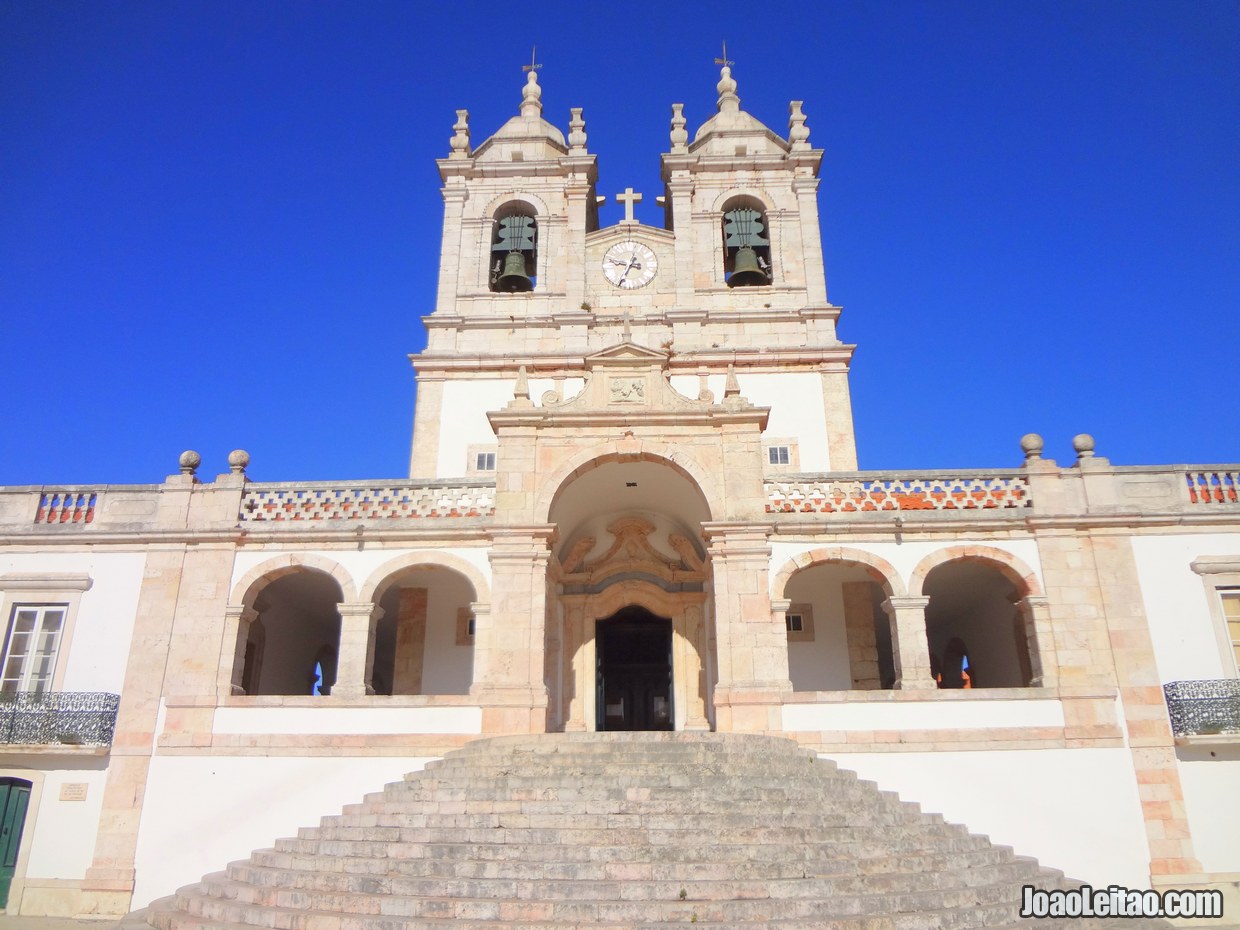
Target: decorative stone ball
column 189, row 461
column 1083, row 443
column 238, row 459
column 1032, row 445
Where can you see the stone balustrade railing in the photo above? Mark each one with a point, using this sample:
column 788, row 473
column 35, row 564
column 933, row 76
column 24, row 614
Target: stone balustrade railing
column 1213, row 485
column 859, row 492
column 267, row 503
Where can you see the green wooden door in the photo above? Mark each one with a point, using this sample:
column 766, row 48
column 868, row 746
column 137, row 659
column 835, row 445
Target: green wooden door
column 14, row 797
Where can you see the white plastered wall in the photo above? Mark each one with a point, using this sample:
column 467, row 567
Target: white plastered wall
column 59, row 842
column 202, row 812
column 98, row 648
column 1075, row 810
column 1188, row 646
column 463, row 420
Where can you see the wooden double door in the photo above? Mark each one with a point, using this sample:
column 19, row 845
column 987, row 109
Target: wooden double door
column 634, row 671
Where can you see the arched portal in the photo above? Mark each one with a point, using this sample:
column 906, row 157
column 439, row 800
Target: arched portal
column 629, row 577
column 634, row 678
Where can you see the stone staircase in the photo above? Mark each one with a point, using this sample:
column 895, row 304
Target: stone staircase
column 620, row 830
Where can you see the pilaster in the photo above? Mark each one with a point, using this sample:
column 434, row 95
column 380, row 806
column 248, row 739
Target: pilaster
column 753, row 650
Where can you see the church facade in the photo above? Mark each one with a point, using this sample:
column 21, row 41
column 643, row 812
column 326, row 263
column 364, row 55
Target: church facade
column 634, row 503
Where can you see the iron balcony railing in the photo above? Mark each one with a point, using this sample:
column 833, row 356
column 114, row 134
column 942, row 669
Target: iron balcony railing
column 1200, row 708
column 69, row 718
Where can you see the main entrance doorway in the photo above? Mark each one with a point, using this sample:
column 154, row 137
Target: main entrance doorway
column 634, row 675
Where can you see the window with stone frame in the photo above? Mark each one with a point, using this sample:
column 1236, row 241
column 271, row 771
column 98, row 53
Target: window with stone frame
column 780, row 455
column 1221, row 575
column 481, row 459
column 31, row 646
column 39, row 610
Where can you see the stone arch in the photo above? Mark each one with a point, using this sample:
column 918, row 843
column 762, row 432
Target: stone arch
column 383, row 576
column 1008, row 565
column 877, row 567
column 628, row 450
column 246, row 591
column 740, row 193
column 499, row 202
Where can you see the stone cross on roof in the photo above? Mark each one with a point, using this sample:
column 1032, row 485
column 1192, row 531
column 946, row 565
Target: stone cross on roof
column 628, row 198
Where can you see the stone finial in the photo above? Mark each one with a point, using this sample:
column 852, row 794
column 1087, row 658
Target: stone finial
column 731, row 387
column 460, row 139
column 1032, row 445
column 238, row 460
column 1083, row 443
column 189, row 462
column 680, row 135
column 728, row 101
column 576, row 132
column 531, row 94
column 798, row 132
column 522, row 389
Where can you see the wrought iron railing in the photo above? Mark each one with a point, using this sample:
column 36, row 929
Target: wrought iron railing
column 70, row 718
column 1198, row 708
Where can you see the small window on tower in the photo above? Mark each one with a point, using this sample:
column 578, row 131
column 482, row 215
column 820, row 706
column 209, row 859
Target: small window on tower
column 485, row 461
column 778, row 455
column 795, row 623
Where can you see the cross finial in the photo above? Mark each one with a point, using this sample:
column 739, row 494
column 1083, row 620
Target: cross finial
column 532, row 66
column 628, row 198
column 724, row 60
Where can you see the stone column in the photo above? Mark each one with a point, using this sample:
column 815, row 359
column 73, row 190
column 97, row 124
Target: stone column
column 909, row 649
column 509, row 650
column 237, row 620
column 753, row 649
column 694, row 669
column 837, row 406
column 355, row 657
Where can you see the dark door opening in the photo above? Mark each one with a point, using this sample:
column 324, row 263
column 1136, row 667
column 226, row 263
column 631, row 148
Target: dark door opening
column 634, row 675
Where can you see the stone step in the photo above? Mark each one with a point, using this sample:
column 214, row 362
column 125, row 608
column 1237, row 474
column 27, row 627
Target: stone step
column 725, row 860
column 611, row 831
column 219, row 899
column 651, row 884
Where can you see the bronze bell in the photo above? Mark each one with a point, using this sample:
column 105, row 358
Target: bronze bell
column 513, row 278
column 746, row 270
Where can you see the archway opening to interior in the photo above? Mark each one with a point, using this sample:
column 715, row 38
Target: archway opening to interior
column 634, row 677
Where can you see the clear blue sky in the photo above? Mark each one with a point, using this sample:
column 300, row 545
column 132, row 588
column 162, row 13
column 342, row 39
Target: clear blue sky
column 219, row 221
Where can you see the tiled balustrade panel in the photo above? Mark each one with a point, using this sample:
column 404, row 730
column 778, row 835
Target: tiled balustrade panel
column 1206, row 486
column 272, row 503
column 910, row 491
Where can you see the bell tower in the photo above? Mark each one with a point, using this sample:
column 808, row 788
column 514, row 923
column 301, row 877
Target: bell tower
column 733, row 281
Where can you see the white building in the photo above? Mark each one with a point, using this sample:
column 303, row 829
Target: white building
column 634, row 504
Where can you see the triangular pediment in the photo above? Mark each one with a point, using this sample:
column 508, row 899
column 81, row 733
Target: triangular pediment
column 626, row 353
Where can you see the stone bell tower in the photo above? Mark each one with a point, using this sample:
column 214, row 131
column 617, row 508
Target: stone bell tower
column 733, row 279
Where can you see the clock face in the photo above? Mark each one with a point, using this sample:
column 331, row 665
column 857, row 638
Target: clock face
column 630, row 264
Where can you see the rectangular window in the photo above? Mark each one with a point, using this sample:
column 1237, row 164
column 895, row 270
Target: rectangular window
column 795, row 623
column 1231, row 616
column 31, row 646
column 485, row 461
column 778, row 455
